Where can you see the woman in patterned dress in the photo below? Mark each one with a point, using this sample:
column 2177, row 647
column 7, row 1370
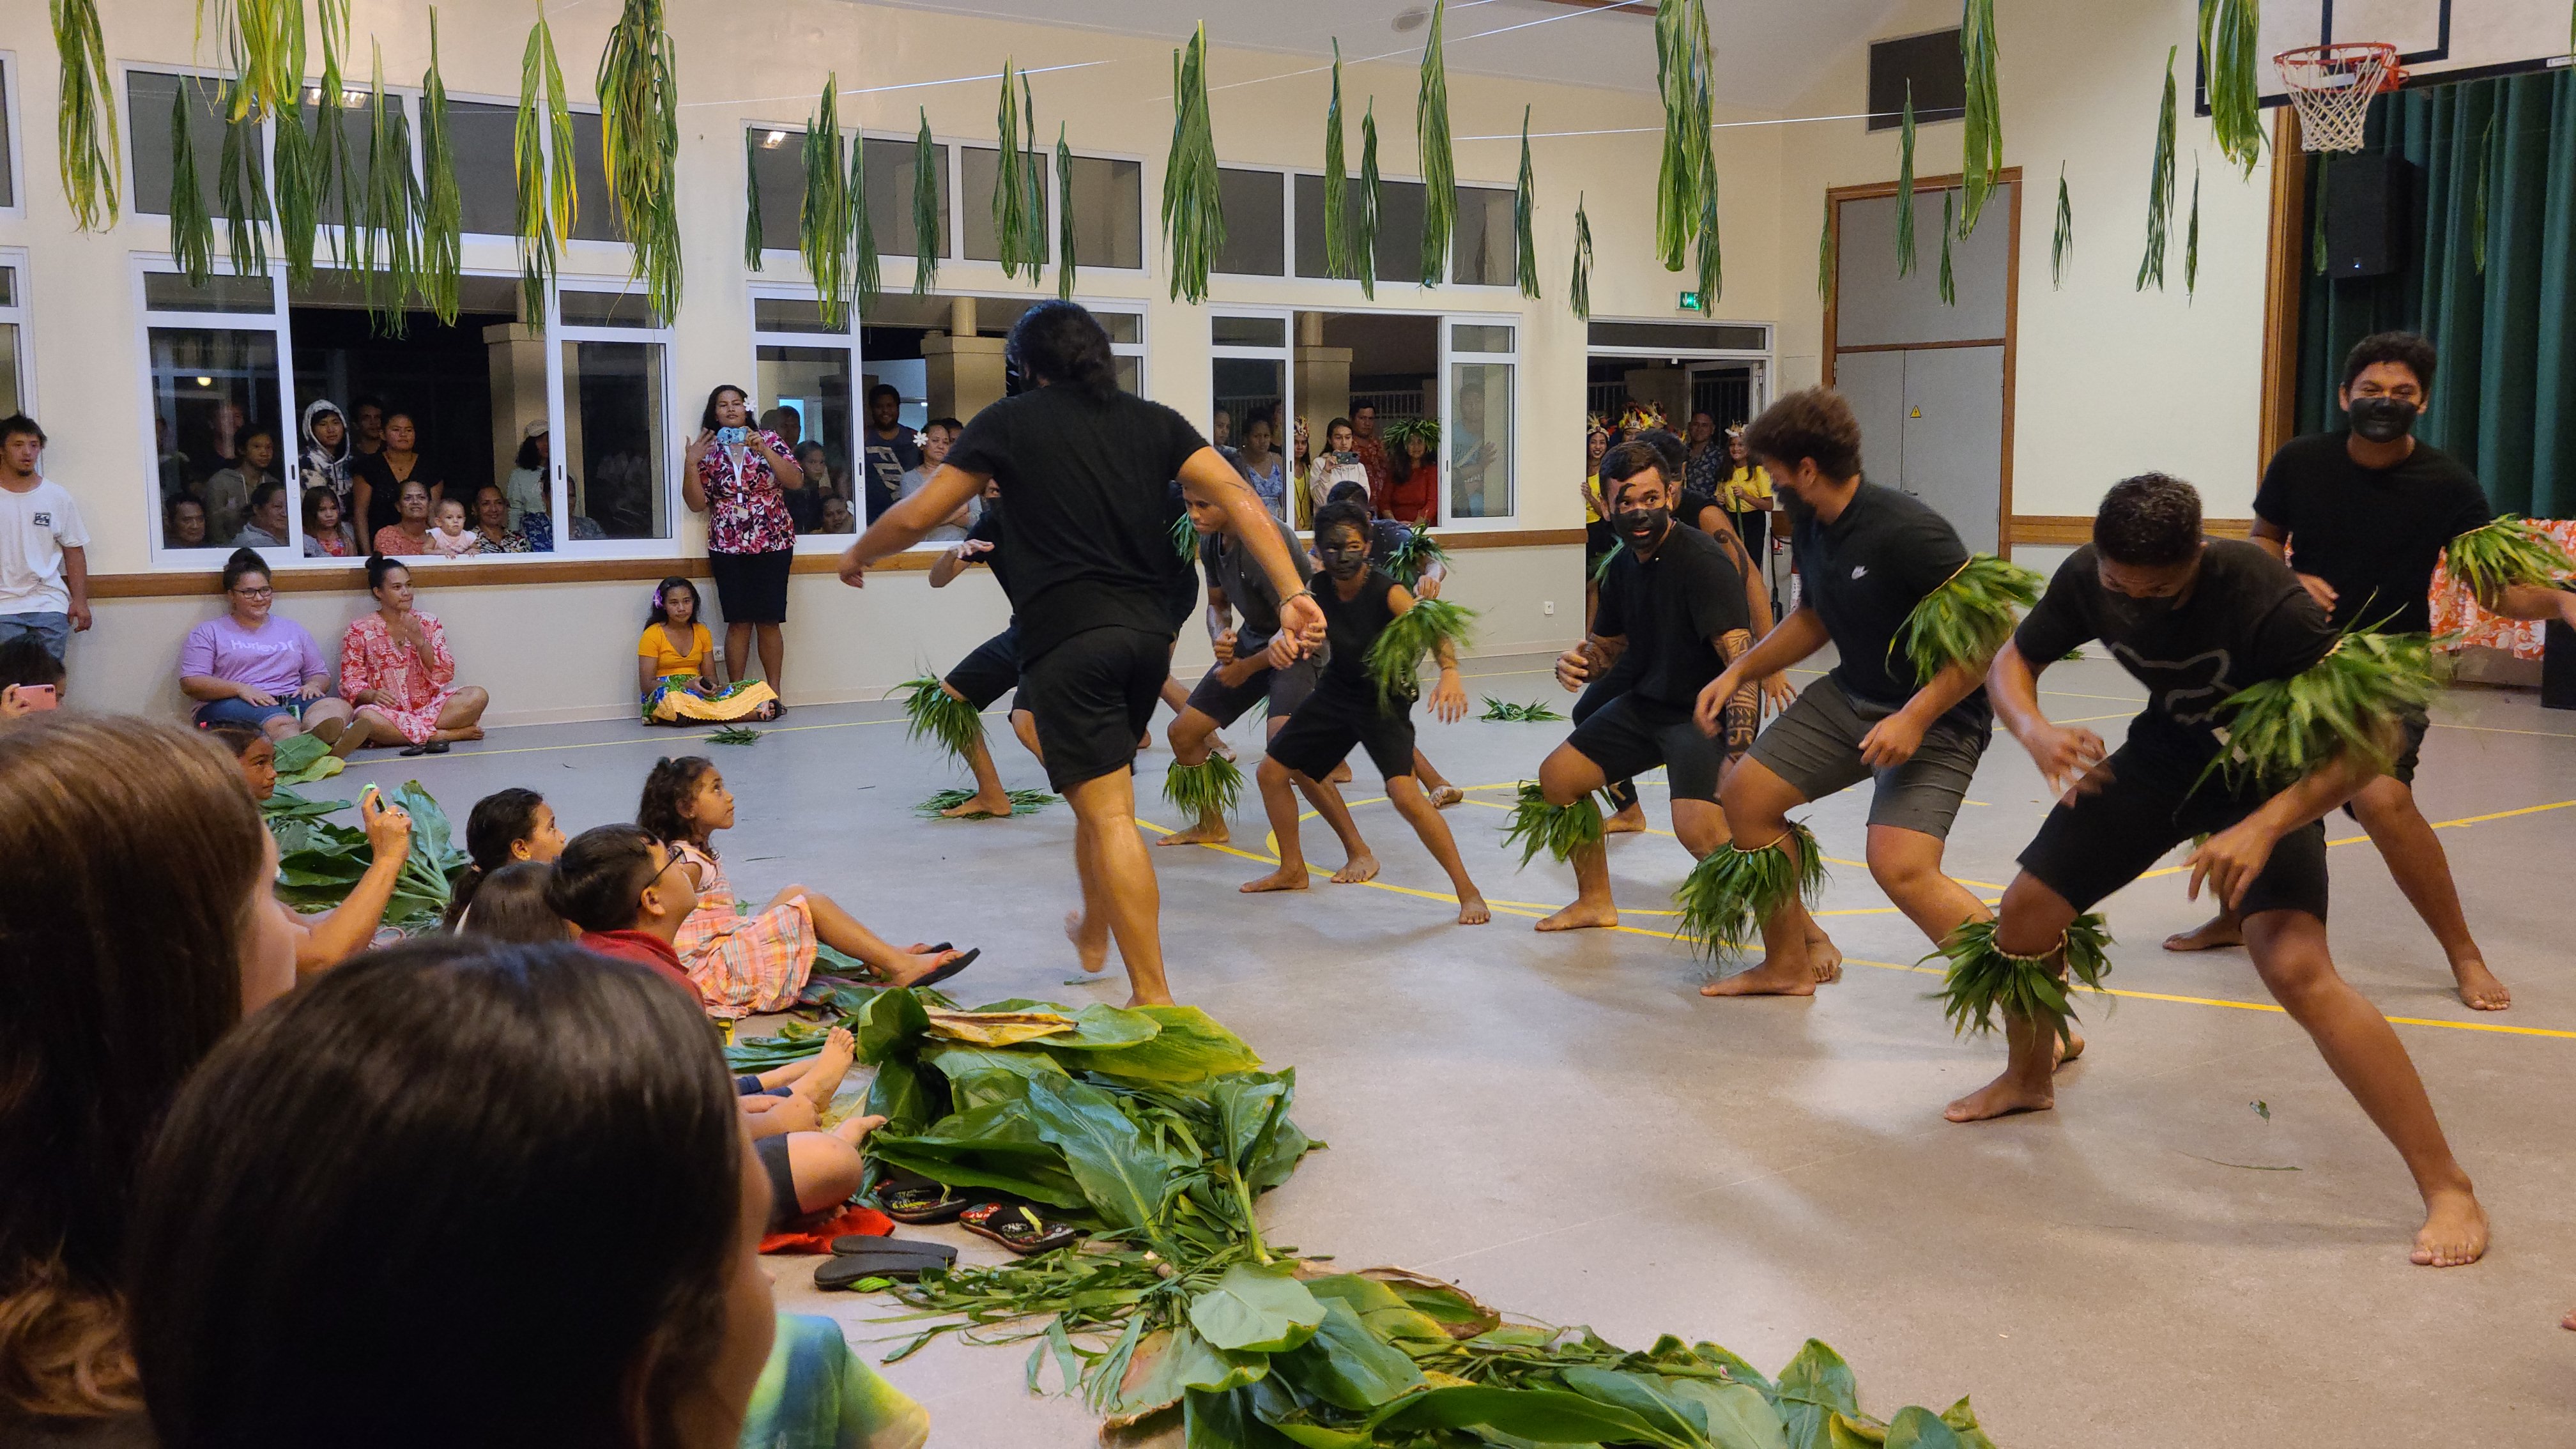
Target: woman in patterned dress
column 732, row 478
column 394, row 666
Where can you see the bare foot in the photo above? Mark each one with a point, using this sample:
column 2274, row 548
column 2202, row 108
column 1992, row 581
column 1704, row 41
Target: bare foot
column 1445, row 796
column 2479, row 986
column 2454, row 1232
column 1360, row 867
column 917, row 964
column 1160, row 998
column 823, row 1079
column 855, row 1130
column 1285, row 878
column 1472, row 911
column 1092, row 957
column 996, row 805
column 1630, row 821
column 1206, row 832
column 2001, row 1098
column 470, row 732
column 1790, row 977
column 1824, row 958
column 2210, row 935
column 2069, row 1050
column 1582, row 915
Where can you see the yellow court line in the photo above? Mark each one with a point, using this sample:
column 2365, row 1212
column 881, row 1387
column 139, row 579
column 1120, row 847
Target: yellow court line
column 2494, row 730
column 2091, row 718
column 646, row 740
column 2462, row 823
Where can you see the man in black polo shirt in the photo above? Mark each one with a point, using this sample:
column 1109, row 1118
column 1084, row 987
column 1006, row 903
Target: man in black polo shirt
column 1673, row 605
column 1868, row 555
column 2363, row 514
column 2195, row 621
column 1085, row 471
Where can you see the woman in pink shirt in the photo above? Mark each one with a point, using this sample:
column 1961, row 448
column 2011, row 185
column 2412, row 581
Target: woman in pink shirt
column 396, row 669
column 251, row 667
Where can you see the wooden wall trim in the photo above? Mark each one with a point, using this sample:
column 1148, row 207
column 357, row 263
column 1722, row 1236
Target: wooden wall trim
column 1510, row 538
column 2283, row 275
column 2076, row 528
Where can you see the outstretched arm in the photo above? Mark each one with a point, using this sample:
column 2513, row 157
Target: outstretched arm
column 2231, row 859
column 2530, row 601
column 909, row 521
column 2069, row 760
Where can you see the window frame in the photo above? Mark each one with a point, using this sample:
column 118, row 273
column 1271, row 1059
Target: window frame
column 559, row 487
column 1451, row 358
column 12, row 79
column 952, row 246
column 1285, row 354
column 1351, row 285
column 140, row 265
column 19, row 312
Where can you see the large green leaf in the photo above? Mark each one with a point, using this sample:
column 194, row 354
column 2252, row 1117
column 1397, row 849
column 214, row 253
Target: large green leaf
column 1644, row 1396
column 1227, row 1421
column 1256, row 1309
column 1123, row 1175
column 1169, row 1364
column 300, row 760
column 1346, row 1365
column 891, row 1026
column 1919, row 1428
column 898, row 1096
column 998, row 1145
column 970, row 1070
column 1737, row 1415
column 1386, row 1314
column 1816, row 1384
column 1962, row 1419
column 1549, row 1416
column 1190, row 1050
column 1096, row 1027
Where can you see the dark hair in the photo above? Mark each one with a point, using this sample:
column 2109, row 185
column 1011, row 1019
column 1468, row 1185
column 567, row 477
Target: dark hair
column 393, row 413
column 480, row 489
column 2149, row 521
column 1667, row 446
column 707, row 419
column 817, row 447
column 498, row 821
column 24, row 659
column 260, row 495
column 1062, row 344
column 313, row 509
column 772, row 419
column 16, row 423
column 1366, row 407
column 243, row 562
column 1629, row 459
column 510, row 905
column 666, row 788
column 951, row 424
column 1340, row 515
column 661, row 613
column 1349, row 490
column 2409, row 350
column 367, row 400
column 234, row 736
column 380, row 568
column 412, row 482
column 528, row 455
column 1813, row 423
column 884, row 389
column 129, row 852
column 1339, row 423
column 351, row 1230
column 599, row 880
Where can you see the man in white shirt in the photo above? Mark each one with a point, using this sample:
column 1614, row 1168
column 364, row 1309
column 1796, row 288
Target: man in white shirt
column 44, row 570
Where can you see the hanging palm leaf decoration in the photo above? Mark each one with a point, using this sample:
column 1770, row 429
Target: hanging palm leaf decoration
column 1682, row 63
column 1033, row 180
column 328, row 165
column 244, row 199
column 1578, row 292
column 1984, row 113
column 823, row 220
column 927, row 240
column 267, row 43
column 1065, row 249
column 2160, row 186
column 1825, row 255
column 93, row 169
column 1525, row 215
column 1364, row 239
column 1712, row 260
column 548, row 202
column 391, row 276
column 2061, row 247
column 1949, row 282
column 639, row 130
column 1012, row 223
column 1905, row 188
column 753, row 241
column 2478, row 207
column 298, row 194
column 863, row 232
column 1439, row 159
column 2228, row 52
column 2191, row 237
column 442, row 215
column 1193, row 212
column 2317, row 209
column 1337, row 183
column 192, row 235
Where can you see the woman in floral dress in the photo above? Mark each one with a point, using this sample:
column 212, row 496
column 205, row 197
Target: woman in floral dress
column 732, row 478
column 395, row 668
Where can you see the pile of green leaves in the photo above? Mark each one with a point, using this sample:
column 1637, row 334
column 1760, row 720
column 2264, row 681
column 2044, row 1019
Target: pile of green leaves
column 303, row 759
column 319, row 862
column 1023, row 802
column 1410, row 559
column 2510, row 552
column 1730, row 894
column 1424, row 631
column 1968, row 618
column 1214, row 786
column 733, row 735
column 1511, row 713
column 1560, row 830
column 932, row 713
column 2349, row 702
column 1982, row 980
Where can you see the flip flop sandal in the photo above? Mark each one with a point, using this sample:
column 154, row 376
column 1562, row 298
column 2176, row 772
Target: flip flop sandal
column 964, row 960
column 1017, row 1228
column 418, row 749
column 927, row 1202
column 857, row 1258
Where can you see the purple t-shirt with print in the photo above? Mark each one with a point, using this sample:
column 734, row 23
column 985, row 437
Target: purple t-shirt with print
column 278, row 657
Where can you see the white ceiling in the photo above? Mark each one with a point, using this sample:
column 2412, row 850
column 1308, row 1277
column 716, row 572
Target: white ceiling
column 1768, row 52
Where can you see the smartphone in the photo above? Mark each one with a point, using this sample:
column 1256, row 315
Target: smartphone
column 33, row 697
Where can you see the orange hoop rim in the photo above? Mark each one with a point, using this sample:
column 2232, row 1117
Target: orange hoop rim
column 2342, row 52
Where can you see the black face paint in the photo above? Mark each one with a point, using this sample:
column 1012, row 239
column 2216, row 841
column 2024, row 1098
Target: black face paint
column 1642, row 527
column 2382, row 419
column 1346, row 560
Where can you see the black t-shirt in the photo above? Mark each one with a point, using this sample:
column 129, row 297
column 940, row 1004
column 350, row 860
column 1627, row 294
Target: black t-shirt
column 1092, row 506
column 1864, row 573
column 1232, row 569
column 384, row 490
column 1670, row 608
column 2246, row 620
column 2373, row 533
column 987, row 528
column 888, row 459
column 1351, row 626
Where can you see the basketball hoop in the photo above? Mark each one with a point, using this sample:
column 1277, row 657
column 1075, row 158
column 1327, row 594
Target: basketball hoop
column 2332, row 86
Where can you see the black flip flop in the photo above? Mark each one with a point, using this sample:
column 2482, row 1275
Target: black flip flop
column 1018, row 1228
column 964, row 960
column 419, row 749
column 889, row 1258
column 922, row 1202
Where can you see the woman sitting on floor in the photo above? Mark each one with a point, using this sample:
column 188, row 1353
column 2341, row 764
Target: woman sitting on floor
column 505, row 828
column 676, row 668
column 326, row 938
column 394, row 666
column 253, row 668
column 759, row 961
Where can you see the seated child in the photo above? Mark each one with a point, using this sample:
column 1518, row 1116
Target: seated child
column 510, row 905
column 758, row 961
column 327, row 938
column 506, row 827
column 449, row 537
column 676, row 671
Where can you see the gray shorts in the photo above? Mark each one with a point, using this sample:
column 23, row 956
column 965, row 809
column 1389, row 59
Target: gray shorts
column 1815, row 746
column 1284, row 689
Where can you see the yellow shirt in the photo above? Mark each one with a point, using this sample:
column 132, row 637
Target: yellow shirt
column 1591, row 490
column 656, row 646
column 1745, row 486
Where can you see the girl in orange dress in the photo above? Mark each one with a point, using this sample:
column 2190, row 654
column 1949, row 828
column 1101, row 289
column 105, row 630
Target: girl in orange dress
column 747, row 961
column 396, row 671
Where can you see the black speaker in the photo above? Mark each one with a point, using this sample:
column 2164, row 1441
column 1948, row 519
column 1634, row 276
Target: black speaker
column 2558, row 667
column 2368, row 199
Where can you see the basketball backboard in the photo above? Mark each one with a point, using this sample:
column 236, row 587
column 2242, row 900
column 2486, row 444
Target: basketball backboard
column 2436, row 40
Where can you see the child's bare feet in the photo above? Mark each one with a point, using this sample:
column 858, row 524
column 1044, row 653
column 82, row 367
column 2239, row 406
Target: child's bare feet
column 2454, row 1232
column 1362, row 866
column 1285, row 878
column 1472, row 911
column 822, row 1080
column 1582, row 916
column 856, row 1129
column 916, row 963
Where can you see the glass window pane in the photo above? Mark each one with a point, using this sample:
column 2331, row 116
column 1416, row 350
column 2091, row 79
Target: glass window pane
column 170, row 292
column 1248, row 331
column 8, row 286
column 613, row 416
column 1130, row 374
column 487, row 176
column 1247, row 391
column 13, row 396
column 605, row 309
column 1399, row 228
column 792, row 314
column 778, row 158
column 210, row 390
column 1484, row 249
column 1480, row 337
column 1679, row 334
column 813, row 383
column 148, row 95
column 1123, row 327
column 1108, row 201
column 889, row 188
column 1480, row 440
column 8, row 178
column 594, row 219
column 1255, row 244
column 981, row 165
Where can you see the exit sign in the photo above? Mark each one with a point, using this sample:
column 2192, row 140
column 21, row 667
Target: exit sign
column 1689, row 302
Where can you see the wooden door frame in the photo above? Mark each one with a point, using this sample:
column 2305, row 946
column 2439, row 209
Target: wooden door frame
column 1834, row 198
column 2282, row 283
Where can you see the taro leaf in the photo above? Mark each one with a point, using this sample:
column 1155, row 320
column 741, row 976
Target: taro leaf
column 297, row 754
column 1346, row 1365
column 1190, row 1050
column 1962, row 1419
column 1097, row 1027
column 1258, row 1138
column 1443, row 1303
column 1550, row 1416
column 1848, row 1433
column 1814, row 1385
column 1378, row 1306
column 997, row 1145
column 1738, row 1417
column 1123, row 1177
column 1642, row 1395
column 1226, row 1421
column 1168, row 1363
column 897, row 1095
column 429, row 830
column 892, row 1027
column 1736, row 1367
column 1257, row 1310
column 1916, row 1427
column 978, row 1076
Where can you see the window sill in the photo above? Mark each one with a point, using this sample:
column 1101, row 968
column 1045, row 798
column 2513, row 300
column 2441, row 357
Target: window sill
column 177, row 584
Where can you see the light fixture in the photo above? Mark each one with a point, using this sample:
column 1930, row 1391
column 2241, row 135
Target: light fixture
column 776, row 139
column 205, row 382
column 1410, row 20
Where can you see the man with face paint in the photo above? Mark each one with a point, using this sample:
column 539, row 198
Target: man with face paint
column 1346, row 712
column 1672, row 614
column 2363, row 514
column 1385, row 537
column 2194, row 621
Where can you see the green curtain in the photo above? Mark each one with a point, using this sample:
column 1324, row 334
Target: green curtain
column 2505, row 401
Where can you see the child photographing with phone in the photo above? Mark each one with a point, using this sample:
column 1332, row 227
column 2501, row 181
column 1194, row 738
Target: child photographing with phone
column 326, row 938
column 31, row 678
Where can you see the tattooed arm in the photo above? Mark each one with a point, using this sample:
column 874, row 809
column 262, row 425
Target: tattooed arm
column 1743, row 710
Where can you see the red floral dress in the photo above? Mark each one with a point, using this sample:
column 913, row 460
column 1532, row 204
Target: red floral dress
column 745, row 512
column 372, row 658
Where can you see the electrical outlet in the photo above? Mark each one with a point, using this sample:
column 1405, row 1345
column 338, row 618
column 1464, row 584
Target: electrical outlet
column 1550, row 608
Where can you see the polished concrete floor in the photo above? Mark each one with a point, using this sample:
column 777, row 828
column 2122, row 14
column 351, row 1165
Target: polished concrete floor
column 1565, row 1127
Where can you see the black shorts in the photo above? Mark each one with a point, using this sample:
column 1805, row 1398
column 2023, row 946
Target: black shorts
column 1093, row 695
column 2402, row 769
column 2105, row 840
column 991, row 671
column 783, row 1207
column 1633, row 734
column 1283, row 689
column 1323, row 730
column 751, row 588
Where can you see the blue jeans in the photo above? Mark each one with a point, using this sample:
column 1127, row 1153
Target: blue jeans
column 54, row 631
column 242, row 712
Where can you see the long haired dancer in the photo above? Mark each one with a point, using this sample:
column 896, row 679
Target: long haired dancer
column 1086, row 471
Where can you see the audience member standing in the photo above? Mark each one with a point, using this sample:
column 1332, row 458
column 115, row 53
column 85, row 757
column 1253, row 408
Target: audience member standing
column 44, row 558
column 1341, row 463
column 751, row 539
column 1260, row 463
column 369, row 432
column 232, row 492
column 527, row 490
column 1371, row 451
column 327, row 459
column 382, row 473
column 891, row 449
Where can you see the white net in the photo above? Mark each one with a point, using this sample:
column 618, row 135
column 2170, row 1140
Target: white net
column 2332, row 86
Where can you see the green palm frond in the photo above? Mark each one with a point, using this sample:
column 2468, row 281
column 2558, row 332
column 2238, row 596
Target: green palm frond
column 2346, row 704
column 1981, row 981
column 823, row 217
column 192, row 234
column 1825, row 255
column 266, row 38
column 1512, row 712
column 1066, row 248
column 1016, row 230
column 1023, row 802
column 331, row 158
column 2191, row 236
column 2510, row 552
column 1712, row 257
column 1601, row 568
column 1578, row 291
column 391, row 276
column 2230, row 58
column 1337, row 186
column 1211, row 787
column 442, row 216
column 1185, row 537
column 1683, row 62
column 753, row 241
column 2160, row 186
column 2478, row 206
column 1193, row 210
column 1982, row 135
column 1364, row 238
column 1439, row 159
column 244, row 199
column 2061, row 247
column 932, row 713
column 92, row 159
column 1905, row 187
column 639, row 129
column 547, row 200
column 1421, row 632
column 1560, row 830
column 1525, row 216
column 1731, row 893
column 1948, row 281
column 928, row 240
column 1968, row 618
column 292, row 160
column 733, row 735
column 865, row 279
column 1414, row 555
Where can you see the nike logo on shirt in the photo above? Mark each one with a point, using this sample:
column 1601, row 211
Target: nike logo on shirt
column 1859, row 569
